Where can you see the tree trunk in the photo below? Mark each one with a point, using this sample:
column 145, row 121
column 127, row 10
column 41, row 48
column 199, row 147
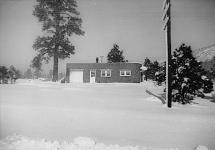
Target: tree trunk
column 55, row 68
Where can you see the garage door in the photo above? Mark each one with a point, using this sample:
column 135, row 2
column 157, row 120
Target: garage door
column 76, row 76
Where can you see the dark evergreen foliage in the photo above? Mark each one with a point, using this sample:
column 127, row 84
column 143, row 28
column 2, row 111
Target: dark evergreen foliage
column 115, row 55
column 60, row 20
column 160, row 75
column 152, row 68
column 213, row 69
column 13, row 74
column 36, row 64
column 3, row 74
column 10, row 74
column 188, row 77
column 28, row 74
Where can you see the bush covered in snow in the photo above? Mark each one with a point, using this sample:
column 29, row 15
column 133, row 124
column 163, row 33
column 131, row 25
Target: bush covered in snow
column 188, row 77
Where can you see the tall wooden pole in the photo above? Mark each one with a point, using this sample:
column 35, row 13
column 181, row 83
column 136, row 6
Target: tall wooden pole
column 169, row 59
column 167, row 27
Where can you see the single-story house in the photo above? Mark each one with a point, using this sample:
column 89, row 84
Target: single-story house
column 103, row 72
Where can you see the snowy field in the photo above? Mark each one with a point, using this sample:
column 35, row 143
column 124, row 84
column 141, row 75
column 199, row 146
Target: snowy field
column 37, row 115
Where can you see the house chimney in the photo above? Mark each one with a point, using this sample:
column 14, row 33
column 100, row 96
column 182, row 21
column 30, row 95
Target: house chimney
column 97, row 60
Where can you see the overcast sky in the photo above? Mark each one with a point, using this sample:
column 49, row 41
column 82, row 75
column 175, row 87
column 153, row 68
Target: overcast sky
column 134, row 24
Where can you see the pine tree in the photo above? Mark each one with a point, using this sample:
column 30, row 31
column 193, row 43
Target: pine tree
column 188, row 77
column 115, row 55
column 3, row 74
column 12, row 71
column 147, row 62
column 160, row 75
column 60, row 20
column 152, row 68
column 50, row 74
column 28, row 74
column 13, row 74
column 36, row 64
column 213, row 69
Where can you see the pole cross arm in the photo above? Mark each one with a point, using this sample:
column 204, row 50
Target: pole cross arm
column 164, row 4
column 165, row 13
column 165, row 23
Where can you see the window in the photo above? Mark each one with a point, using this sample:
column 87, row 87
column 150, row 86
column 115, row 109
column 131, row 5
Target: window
column 106, row 73
column 125, row 72
column 92, row 73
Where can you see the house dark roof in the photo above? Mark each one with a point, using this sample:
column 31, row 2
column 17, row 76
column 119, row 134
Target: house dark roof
column 101, row 65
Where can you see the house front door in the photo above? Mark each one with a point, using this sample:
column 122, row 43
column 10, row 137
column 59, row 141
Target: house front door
column 92, row 76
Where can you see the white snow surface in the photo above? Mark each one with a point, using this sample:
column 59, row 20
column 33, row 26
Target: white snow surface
column 17, row 142
column 37, row 115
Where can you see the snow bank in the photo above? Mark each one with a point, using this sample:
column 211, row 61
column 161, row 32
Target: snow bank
column 201, row 147
column 118, row 113
column 17, row 142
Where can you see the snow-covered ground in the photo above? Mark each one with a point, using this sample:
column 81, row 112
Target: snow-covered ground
column 37, row 115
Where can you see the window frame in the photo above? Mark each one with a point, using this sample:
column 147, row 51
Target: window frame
column 105, row 73
column 91, row 72
column 123, row 73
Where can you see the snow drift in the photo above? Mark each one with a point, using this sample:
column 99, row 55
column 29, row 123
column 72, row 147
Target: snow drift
column 50, row 115
column 18, row 142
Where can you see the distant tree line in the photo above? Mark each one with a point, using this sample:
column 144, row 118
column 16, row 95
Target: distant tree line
column 32, row 73
column 9, row 75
